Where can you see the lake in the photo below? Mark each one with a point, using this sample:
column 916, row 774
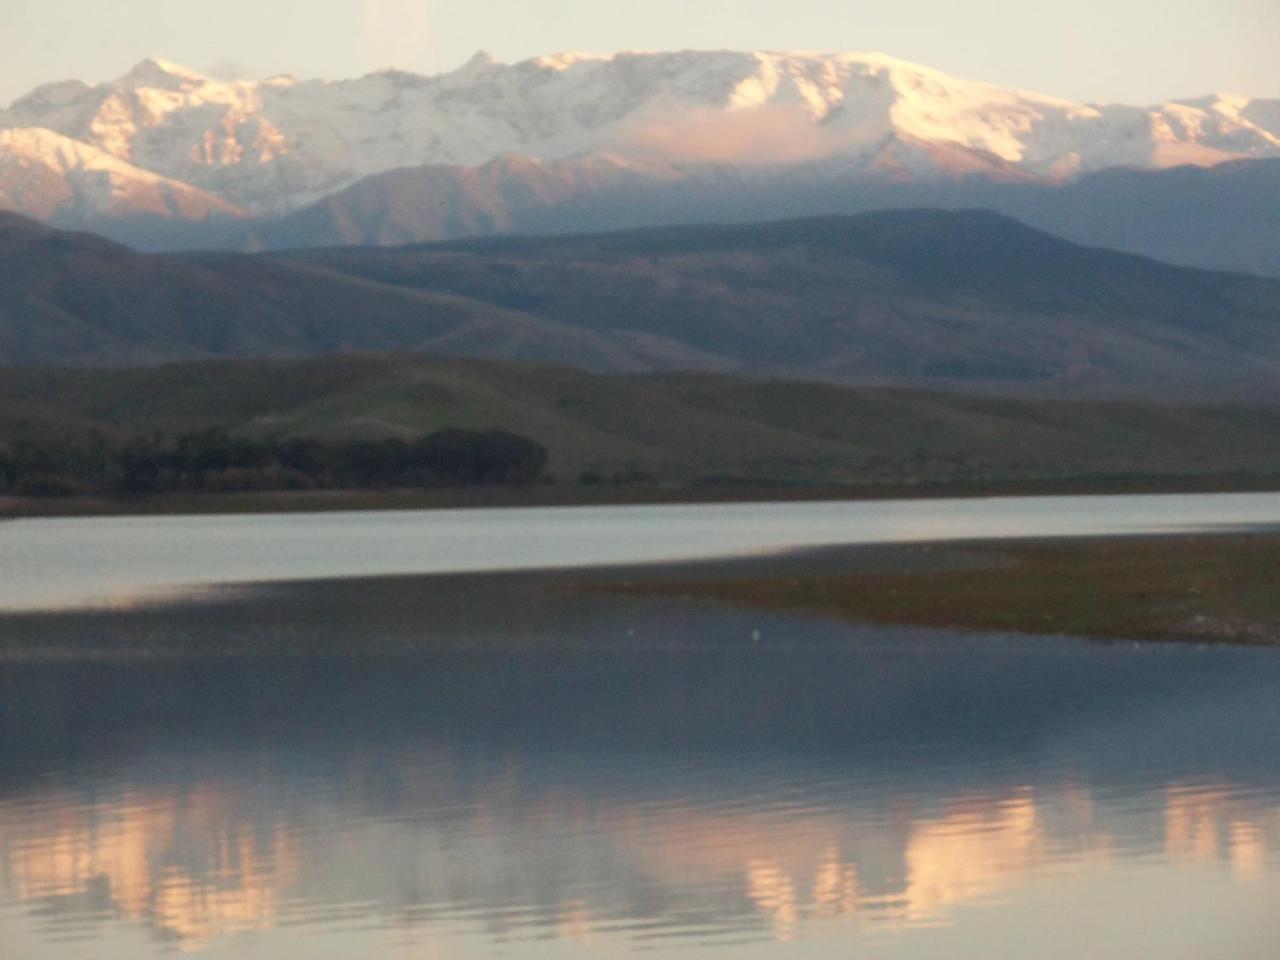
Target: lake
column 483, row 763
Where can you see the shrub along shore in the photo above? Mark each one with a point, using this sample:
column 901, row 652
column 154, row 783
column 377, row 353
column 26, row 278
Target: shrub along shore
column 213, row 461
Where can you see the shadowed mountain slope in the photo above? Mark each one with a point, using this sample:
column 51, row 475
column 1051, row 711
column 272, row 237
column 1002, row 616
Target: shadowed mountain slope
column 1221, row 218
column 1225, row 217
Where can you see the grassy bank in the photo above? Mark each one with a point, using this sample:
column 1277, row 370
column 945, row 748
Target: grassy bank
column 1205, row 588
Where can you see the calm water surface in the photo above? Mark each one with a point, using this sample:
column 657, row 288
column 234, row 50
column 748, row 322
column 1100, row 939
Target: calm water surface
column 538, row 773
column 122, row 561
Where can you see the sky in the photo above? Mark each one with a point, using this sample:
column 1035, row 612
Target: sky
column 1132, row 51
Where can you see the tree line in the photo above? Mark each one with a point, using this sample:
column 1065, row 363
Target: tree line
column 214, row 460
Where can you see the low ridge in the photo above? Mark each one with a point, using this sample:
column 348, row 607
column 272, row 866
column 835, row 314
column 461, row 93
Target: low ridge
column 924, row 297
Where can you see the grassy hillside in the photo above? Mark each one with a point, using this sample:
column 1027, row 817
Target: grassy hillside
column 674, row 428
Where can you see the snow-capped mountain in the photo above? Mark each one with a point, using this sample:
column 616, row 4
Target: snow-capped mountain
column 274, row 146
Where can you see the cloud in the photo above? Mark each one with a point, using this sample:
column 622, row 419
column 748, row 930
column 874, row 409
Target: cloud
column 227, row 69
column 770, row 134
column 394, row 32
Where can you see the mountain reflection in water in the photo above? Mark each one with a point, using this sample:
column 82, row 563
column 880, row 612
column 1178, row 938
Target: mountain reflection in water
column 898, row 794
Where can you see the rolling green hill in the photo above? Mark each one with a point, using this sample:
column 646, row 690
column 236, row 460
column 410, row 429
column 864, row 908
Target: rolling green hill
column 667, row 427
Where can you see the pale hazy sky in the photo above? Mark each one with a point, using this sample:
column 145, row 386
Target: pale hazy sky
column 1136, row 51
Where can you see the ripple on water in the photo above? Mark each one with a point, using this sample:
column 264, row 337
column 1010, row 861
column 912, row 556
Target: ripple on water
column 696, row 803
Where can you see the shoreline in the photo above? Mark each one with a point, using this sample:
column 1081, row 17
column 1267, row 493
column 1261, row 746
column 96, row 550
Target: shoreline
column 574, row 495
column 1213, row 588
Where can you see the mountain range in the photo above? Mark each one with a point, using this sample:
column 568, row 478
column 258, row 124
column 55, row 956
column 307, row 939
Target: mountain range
column 164, row 158
column 923, row 297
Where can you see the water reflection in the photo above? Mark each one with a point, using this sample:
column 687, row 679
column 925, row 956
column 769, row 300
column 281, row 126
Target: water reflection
column 696, row 800
column 183, row 866
column 202, row 866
